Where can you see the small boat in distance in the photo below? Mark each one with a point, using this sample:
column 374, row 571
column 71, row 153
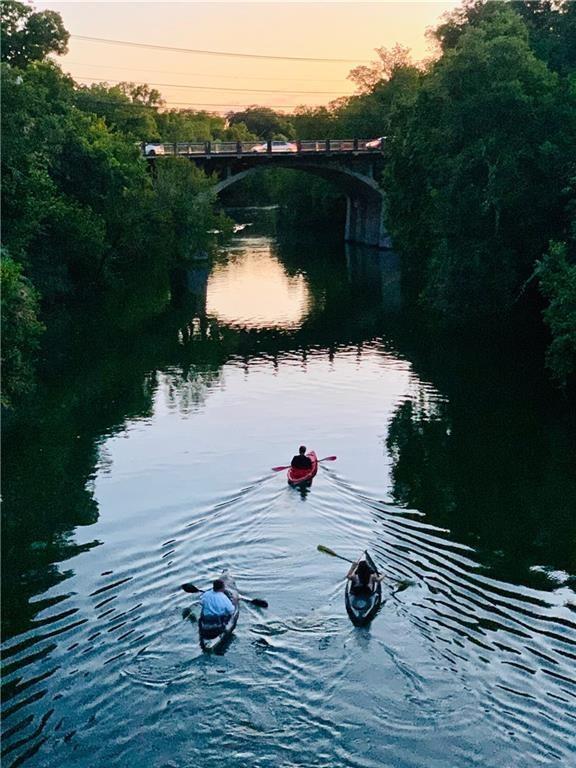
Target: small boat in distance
column 299, row 478
column 214, row 634
column 363, row 605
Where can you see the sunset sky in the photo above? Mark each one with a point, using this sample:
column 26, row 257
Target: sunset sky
column 334, row 30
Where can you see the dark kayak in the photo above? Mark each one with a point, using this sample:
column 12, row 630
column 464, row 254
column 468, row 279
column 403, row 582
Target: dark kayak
column 213, row 633
column 363, row 605
column 300, row 477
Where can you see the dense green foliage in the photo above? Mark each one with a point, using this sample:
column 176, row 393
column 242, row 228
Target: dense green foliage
column 480, row 162
column 558, row 282
column 132, row 110
column 74, row 192
column 21, row 330
column 263, row 122
column 479, row 178
column 487, row 142
column 81, row 211
column 481, row 157
column 28, row 35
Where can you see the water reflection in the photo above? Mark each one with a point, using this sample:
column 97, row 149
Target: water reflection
column 418, row 441
column 484, row 473
column 253, row 290
column 375, row 271
column 156, row 440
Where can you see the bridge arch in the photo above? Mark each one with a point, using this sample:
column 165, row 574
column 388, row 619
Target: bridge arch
column 364, row 198
column 352, row 165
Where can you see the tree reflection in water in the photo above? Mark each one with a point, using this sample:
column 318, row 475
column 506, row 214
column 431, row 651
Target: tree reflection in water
column 418, row 442
column 492, row 475
column 486, row 458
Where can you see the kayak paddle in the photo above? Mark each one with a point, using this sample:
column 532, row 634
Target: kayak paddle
column 400, row 585
column 322, row 548
column 192, row 589
column 326, row 458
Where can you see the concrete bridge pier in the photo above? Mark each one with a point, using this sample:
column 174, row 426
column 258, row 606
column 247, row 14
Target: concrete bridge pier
column 365, row 199
column 365, row 221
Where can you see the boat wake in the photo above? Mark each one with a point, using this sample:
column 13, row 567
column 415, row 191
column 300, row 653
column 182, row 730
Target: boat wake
column 453, row 656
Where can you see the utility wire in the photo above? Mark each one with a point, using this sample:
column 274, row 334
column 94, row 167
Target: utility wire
column 233, row 54
column 199, row 74
column 136, row 105
column 216, row 88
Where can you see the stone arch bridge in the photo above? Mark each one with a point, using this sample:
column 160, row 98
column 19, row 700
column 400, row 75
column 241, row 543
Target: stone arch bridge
column 354, row 166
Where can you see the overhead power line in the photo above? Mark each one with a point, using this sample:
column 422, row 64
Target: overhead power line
column 200, row 74
column 234, row 54
column 217, row 88
column 185, row 104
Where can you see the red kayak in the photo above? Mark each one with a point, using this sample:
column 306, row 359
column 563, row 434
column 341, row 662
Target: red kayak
column 300, row 477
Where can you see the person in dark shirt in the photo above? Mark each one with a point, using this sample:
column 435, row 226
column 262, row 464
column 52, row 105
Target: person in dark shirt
column 363, row 578
column 301, row 461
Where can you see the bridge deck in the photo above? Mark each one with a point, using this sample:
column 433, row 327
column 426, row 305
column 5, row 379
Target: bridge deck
column 252, row 149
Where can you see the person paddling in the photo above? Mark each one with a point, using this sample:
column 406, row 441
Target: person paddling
column 217, row 607
column 362, row 577
column 301, row 461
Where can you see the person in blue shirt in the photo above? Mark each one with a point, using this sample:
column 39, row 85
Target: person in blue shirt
column 216, row 604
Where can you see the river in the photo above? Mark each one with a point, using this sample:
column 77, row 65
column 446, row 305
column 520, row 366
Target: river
column 145, row 461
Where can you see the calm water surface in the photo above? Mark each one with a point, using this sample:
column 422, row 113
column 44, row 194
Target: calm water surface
column 145, row 462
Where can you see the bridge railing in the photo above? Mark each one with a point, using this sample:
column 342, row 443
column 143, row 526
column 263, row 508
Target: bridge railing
column 239, row 148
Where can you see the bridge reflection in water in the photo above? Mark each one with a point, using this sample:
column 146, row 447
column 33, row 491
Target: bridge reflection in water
column 153, row 470
column 268, row 304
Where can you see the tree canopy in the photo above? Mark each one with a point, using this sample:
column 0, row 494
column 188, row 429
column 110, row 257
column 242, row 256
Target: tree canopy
column 480, row 157
column 29, row 35
column 264, row 122
column 81, row 211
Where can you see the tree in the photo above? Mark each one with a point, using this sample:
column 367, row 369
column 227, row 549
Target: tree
column 33, row 101
column 314, row 123
column 557, row 276
column 468, row 14
column 72, row 188
column 551, row 26
column 478, row 167
column 82, row 213
column 236, row 132
column 552, row 30
column 21, row 330
column 264, row 122
column 192, row 125
column 126, row 108
column 183, row 209
column 373, row 113
column 29, row 35
column 368, row 77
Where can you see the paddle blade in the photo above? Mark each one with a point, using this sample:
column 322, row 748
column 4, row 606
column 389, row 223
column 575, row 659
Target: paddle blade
column 190, row 588
column 259, row 603
column 322, row 548
column 279, row 469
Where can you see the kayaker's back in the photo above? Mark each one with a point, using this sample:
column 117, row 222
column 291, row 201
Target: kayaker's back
column 298, row 476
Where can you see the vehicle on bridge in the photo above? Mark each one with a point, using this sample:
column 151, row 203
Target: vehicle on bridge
column 354, row 165
column 151, row 150
column 376, row 143
column 276, row 146
column 210, row 149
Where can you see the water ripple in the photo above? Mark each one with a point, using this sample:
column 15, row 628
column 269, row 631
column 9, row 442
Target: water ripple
column 454, row 657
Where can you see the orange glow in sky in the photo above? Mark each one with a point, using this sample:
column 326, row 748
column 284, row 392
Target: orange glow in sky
column 340, row 30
